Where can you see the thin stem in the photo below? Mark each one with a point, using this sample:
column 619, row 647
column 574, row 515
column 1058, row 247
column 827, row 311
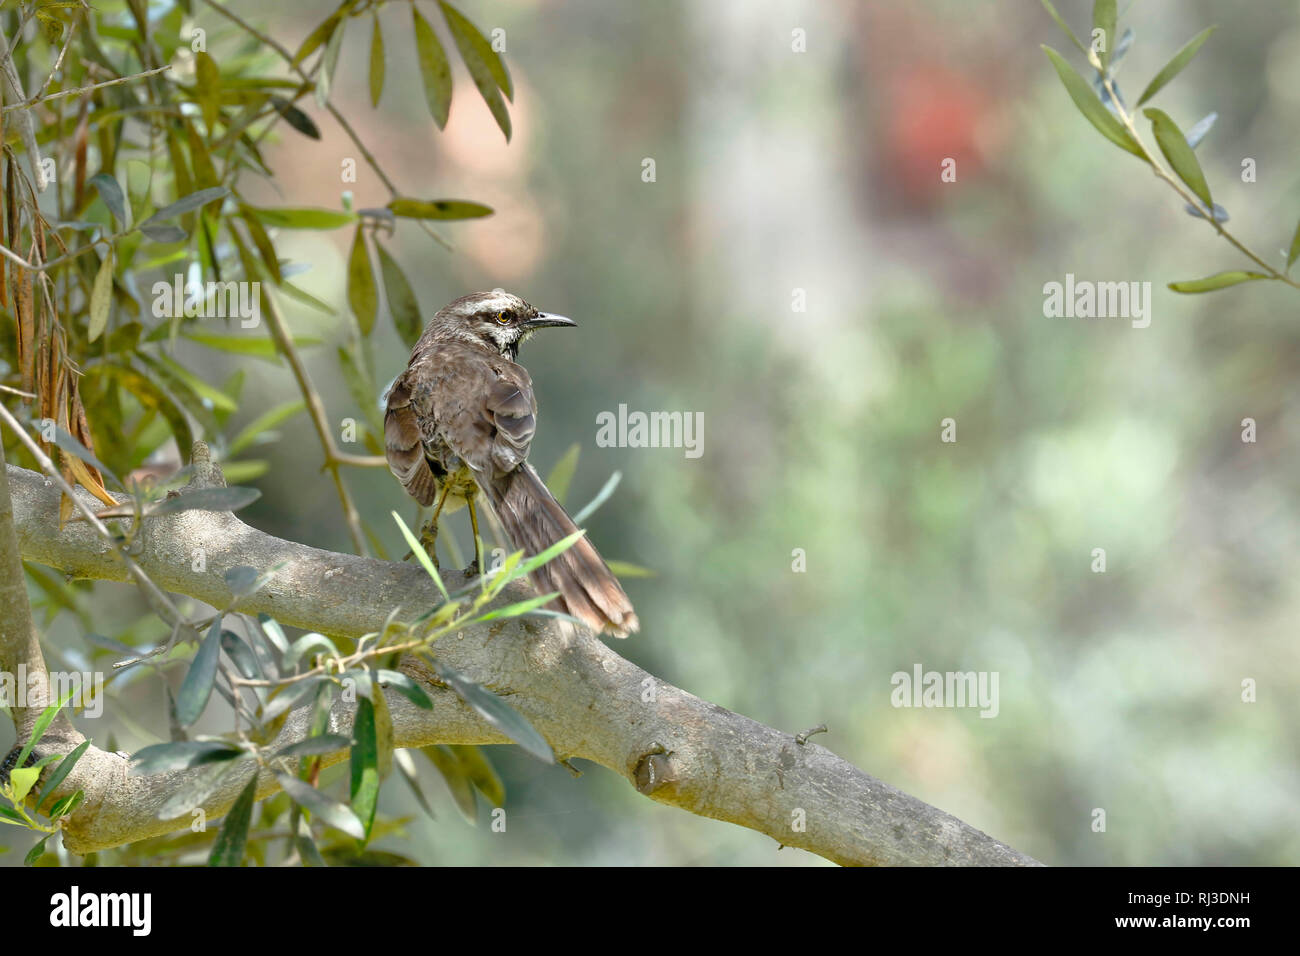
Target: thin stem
column 1178, row 187
column 316, row 411
column 26, row 129
column 43, row 97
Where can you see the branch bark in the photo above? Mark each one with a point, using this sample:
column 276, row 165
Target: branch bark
column 586, row 700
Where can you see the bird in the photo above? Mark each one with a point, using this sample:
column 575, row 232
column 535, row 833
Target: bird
column 459, row 422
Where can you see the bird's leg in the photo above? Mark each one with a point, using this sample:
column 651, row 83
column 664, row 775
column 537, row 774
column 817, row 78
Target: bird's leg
column 429, row 533
column 475, row 568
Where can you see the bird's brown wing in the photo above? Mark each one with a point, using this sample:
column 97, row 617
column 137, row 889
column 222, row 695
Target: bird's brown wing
column 404, row 444
column 513, row 412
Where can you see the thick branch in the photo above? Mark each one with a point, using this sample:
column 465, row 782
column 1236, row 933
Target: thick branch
column 20, row 646
column 587, row 701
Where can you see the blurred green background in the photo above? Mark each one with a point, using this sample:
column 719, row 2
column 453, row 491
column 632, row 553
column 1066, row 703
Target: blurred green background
column 819, row 171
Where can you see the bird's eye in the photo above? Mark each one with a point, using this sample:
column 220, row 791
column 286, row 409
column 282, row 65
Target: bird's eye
column 502, row 318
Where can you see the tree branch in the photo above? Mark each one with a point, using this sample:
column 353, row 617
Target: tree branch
column 586, row 700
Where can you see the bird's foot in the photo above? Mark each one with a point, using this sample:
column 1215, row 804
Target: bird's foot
column 429, row 542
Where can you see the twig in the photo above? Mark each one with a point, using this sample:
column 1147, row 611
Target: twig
column 25, row 128
column 1187, row 197
column 316, row 411
column 802, row 738
column 43, row 97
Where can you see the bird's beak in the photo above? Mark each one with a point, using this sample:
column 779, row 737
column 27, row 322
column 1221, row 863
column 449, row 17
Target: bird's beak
column 545, row 320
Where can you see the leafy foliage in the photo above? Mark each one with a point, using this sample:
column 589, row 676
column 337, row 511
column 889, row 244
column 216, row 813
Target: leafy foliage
column 1102, row 104
column 148, row 245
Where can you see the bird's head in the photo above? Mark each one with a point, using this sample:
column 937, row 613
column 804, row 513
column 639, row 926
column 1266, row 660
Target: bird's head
column 496, row 320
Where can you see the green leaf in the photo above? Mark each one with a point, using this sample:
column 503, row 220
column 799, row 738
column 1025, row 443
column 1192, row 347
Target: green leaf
column 37, row 851
column 363, row 295
column 481, row 773
column 537, row 560
column 321, row 807
column 42, row 724
column 219, row 399
column 1064, row 26
column 254, row 345
column 402, row 304
column 1294, row 254
column 187, row 204
column 1104, row 16
column 607, row 489
column 228, row 850
column 197, row 686
column 324, row 75
column 273, row 631
column 204, row 499
column 364, row 765
column 421, row 555
column 519, row 608
column 485, row 67
column 304, row 218
column 376, row 63
column 498, row 713
column 456, row 777
column 207, row 77
column 295, row 117
column 111, row 193
column 263, row 423
column 624, row 569
column 181, row 755
column 60, row 772
column 240, row 653
column 303, row 841
column 435, row 70
column 321, row 34
column 355, row 369
column 308, row 643
column 22, row 779
column 1220, row 280
column 407, row 688
column 151, row 398
column 67, row 804
column 163, row 233
column 1175, row 66
column 1180, row 155
column 265, row 248
column 1088, row 104
column 383, row 732
column 438, row 209
column 194, row 790
column 561, row 475
column 407, row 767
column 292, row 696
column 101, row 297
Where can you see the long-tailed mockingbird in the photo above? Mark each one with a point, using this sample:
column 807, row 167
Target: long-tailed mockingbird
column 460, row 420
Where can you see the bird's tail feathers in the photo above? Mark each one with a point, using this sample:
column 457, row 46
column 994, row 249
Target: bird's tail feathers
column 534, row 521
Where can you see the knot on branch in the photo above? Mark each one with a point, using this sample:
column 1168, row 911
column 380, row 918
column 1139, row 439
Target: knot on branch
column 12, row 758
column 205, row 472
column 655, row 770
